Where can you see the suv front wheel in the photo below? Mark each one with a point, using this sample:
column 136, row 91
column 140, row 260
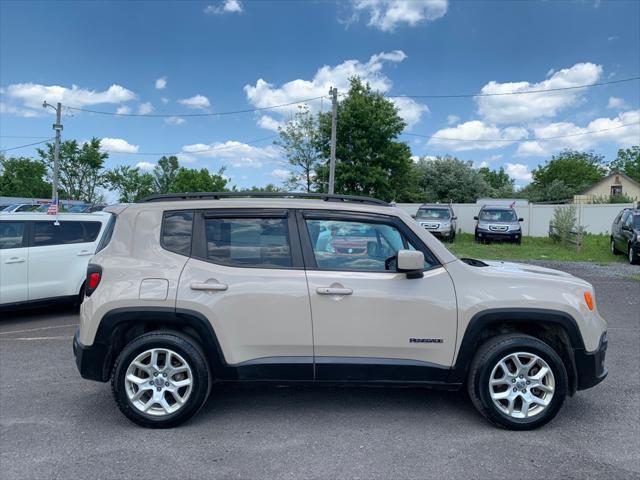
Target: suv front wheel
column 160, row 379
column 517, row 381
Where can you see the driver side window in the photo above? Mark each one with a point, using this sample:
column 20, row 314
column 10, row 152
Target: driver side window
column 355, row 245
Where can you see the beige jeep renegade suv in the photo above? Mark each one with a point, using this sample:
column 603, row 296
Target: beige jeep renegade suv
column 188, row 290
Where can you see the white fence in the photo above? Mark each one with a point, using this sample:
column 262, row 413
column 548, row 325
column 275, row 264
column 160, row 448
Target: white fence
column 595, row 218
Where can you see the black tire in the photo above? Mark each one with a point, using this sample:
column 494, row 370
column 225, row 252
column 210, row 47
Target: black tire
column 452, row 237
column 634, row 258
column 184, row 346
column 487, row 357
column 614, row 250
column 477, row 238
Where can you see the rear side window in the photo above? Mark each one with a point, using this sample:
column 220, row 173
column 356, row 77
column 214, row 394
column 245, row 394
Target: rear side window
column 248, row 242
column 47, row 233
column 176, row 231
column 11, row 234
column 108, row 233
column 91, row 231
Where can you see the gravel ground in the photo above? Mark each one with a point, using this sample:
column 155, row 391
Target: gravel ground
column 598, row 270
column 55, row 425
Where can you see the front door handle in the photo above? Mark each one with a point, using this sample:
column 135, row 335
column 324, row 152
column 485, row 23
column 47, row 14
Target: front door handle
column 217, row 287
column 333, row 291
column 15, row 260
column 84, row 253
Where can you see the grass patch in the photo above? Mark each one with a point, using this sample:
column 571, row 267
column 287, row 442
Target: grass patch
column 595, row 248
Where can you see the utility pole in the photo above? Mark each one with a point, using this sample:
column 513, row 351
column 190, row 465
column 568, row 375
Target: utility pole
column 334, row 119
column 56, row 151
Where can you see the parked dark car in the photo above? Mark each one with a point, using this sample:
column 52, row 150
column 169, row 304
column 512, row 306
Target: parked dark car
column 498, row 223
column 625, row 234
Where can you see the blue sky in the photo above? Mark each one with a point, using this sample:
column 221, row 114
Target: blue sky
column 200, row 57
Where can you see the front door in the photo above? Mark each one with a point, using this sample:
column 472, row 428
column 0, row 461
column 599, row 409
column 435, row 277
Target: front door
column 246, row 277
column 14, row 261
column 371, row 323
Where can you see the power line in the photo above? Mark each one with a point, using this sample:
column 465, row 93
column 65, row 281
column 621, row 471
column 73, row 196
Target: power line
column 206, row 150
column 559, row 89
column 19, row 136
column 522, row 139
column 208, row 114
column 27, row 145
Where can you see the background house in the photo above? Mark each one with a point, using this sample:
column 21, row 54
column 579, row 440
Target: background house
column 614, row 185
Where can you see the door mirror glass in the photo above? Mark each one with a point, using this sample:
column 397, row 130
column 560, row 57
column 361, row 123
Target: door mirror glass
column 521, row 219
column 410, row 262
column 454, row 218
column 475, row 218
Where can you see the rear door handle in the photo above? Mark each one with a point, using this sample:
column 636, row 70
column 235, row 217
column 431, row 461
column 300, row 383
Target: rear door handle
column 333, row 291
column 84, row 253
column 217, row 287
column 15, row 260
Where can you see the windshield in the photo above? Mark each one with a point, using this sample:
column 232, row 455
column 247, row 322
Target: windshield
column 490, row 215
column 434, row 213
column 636, row 222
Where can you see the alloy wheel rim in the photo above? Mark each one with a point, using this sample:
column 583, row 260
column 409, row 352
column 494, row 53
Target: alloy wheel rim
column 521, row 385
column 158, row 382
column 613, row 247
column 630, row 255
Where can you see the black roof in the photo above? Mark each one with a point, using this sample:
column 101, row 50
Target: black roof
column 173, row 197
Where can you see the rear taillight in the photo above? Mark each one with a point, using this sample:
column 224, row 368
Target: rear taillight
column 94, row 275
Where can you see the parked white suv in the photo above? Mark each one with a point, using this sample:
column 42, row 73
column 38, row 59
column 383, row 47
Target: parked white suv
column 41, row 261
column 194, row 289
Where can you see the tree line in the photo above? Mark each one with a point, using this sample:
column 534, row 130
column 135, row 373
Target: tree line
column 371, row 161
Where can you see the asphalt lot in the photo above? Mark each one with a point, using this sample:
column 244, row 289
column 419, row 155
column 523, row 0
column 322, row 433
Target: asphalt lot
column 53, row 424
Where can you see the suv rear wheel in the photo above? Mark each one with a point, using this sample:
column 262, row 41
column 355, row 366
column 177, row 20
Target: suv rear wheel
column 160, row 379
column 517, row 381
column 634, row 258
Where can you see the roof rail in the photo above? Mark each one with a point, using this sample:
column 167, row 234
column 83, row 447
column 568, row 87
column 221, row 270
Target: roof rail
column 172, row 197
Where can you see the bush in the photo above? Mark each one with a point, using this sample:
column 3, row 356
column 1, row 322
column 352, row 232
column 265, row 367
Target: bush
column 564, row 222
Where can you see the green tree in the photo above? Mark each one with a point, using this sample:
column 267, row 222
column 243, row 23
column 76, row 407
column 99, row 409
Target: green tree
column 192, row 180
column 446, row 179
column 23, row 177
column 576, row 170
column 499, row 181
column 369, row 159
column 80, row 168
column 299, row 139
column 129, row 182
column 627, row 162
column 165, row 174
column 268, row 188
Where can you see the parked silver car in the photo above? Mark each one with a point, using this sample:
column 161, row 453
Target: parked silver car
column 498, row 223
column 439, row 220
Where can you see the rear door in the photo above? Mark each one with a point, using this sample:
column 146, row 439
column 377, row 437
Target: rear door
column 58, row 256
column 246, row 276
column 14, row 258
column 371, row 323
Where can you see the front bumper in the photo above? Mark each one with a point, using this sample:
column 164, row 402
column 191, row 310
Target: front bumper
column 590, row 367
column 90, row 360
column 511, row 236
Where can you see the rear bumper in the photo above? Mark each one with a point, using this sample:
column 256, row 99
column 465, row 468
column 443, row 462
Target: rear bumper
column 590, row 367
column 90, row 360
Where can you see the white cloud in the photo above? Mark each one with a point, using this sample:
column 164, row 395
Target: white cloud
column 579, row 139
column 164, row 100
column 174, row 120
column 33, row 94
column 518, row 171
column 20, row 112
column 197, row 101
column 264, row 94
column 476, row 135
column 386, row 15
column 269, row 123
column 161, row 83
column 228, row 6
column 123, row 110
column 117, row 145
column 236, row 154
column 145, row 108
column 145, row 166
column 452, row 119
column 281, row 173
column 528, row 107
column 617, row 103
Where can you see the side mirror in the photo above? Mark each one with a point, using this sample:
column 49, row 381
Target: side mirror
column 411, row 262
column 454, row 218
column 521, row 219
column 475, row 218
